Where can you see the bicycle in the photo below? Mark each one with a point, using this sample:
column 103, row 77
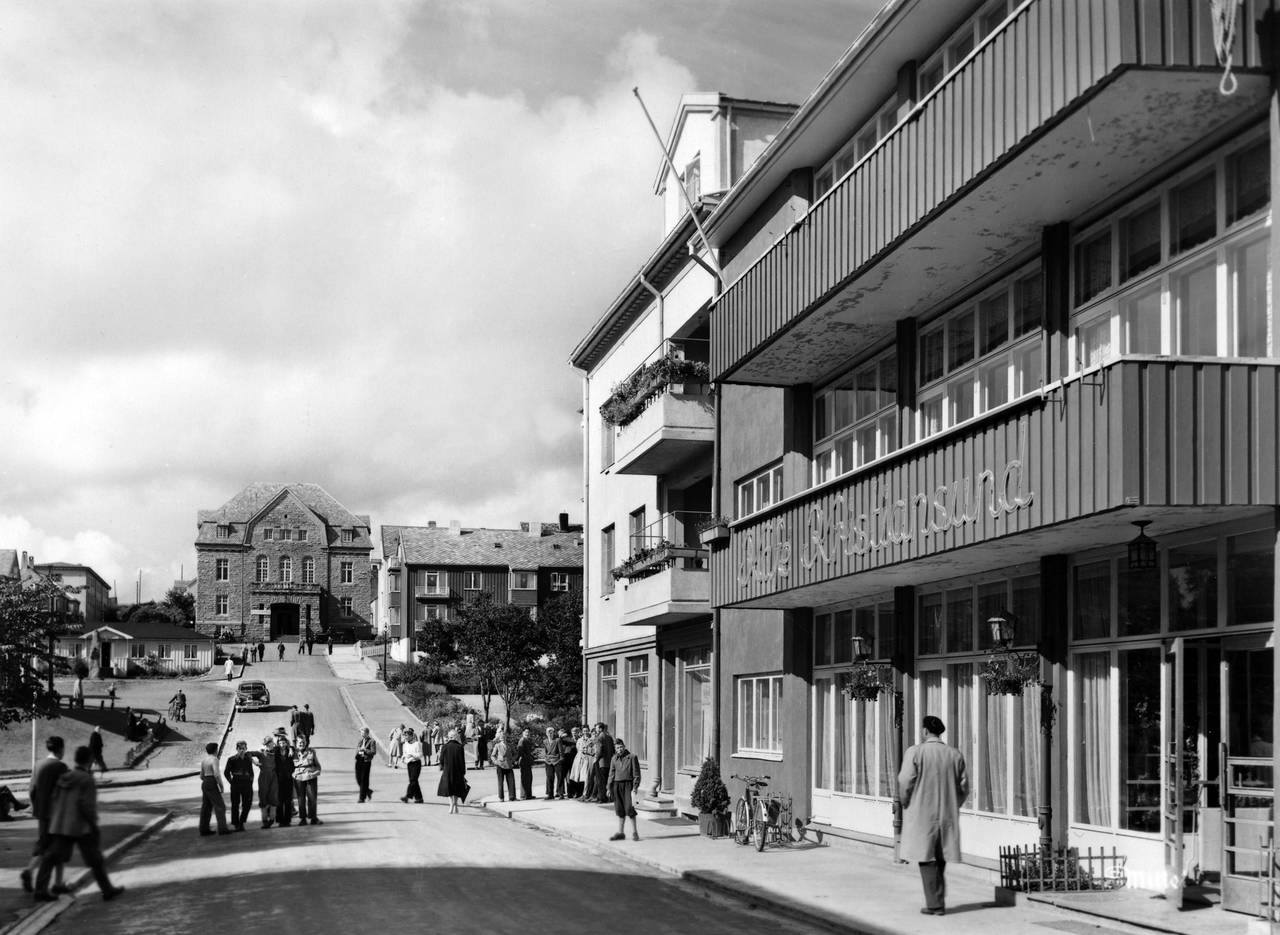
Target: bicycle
column 760, row 816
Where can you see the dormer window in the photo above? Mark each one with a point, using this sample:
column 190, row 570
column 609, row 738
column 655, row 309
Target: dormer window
column 693, row 179
column 224, row 531
column 348, row 535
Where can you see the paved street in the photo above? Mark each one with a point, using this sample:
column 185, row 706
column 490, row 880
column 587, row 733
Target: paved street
column 401, row 868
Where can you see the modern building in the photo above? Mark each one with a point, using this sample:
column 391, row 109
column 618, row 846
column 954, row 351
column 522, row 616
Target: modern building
column 280, row 561
column 649, row 438
column 997, row 378
column 84, row 587
column 121, row 648
column 428, row 572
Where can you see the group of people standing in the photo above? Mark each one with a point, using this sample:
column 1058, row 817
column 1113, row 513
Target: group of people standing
column 287, row 773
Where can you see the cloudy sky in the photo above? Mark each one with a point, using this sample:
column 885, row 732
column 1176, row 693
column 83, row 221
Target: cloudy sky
column 351, row 243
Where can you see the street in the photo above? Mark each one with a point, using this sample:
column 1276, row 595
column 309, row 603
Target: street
column 384, row 864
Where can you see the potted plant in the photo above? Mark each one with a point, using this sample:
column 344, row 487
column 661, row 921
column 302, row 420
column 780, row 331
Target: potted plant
column 713, row 529
column 1008, row 672
column 711, row 799
column 865, row 682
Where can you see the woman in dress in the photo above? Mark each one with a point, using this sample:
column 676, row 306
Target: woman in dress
column 453, row 772
column 411, row 753
column 268, row 782
column 581, row 762
column 395, row 746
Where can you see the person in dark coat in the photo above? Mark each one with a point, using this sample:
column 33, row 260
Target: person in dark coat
column 284, row 776
column 524, row 760
column 43, row 782
column 95, row 750
column 604, row 759
column 453, row 772
column 74, row 820
column 933, row 785
column 483, row 736
column 239, row 775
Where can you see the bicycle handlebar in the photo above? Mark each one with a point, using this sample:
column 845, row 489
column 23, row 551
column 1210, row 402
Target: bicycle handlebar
column 754, row 781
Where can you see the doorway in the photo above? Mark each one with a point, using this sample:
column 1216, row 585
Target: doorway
column 284, row 620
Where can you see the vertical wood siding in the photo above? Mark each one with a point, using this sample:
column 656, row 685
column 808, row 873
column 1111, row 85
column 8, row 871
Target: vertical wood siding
column 1140, row 433
column 1041, row 61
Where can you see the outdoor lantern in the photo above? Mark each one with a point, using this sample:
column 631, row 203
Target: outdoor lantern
column 861, row 648
column 1142, row 549
column 1003, row 626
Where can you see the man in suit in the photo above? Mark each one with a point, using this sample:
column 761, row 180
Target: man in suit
column 524, row 758
column 604, row 759
column 306, row 722
column 551, row 755
column 933, row 785
column 239, row 775
column 43, row 781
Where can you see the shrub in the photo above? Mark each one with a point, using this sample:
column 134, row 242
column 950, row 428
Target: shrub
column 709, row 792
column 81, row 669
column 411, row 672
column 444, row 708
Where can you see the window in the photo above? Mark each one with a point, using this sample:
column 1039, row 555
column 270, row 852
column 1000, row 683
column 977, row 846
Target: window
column 224, row 531
column 1092, row 604
column 222, row 570
column 220, row 605
column 286, row 569
column 963, row 41
column 759, row 719
column 190, row 652
column 608, row 706
column 344, row 605
column 638, row 706
column 559, row 581
column 286, row 535
column 431, row 612
column 636, row 538
column 606, row 560
column 863, row 141
column 137, row 650
column 1181, row 278
column 1251, row 578
column 348, row 536
column 1193, row 586
column 524, row 580
column 301, row 535
column 164, row 651
column 308, row 570
column 346, row 572
column 759, row 491
column 1140, row 758
column 695, row 708
column 855, row 421
column 981, row 355
column 263, row 571
column 693, row 184
column 833, row 633
column 268, row 534
column 471, row 581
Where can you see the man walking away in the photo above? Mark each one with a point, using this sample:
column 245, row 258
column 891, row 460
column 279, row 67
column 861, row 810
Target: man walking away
column 239, row 773
column 280, row 651
column 75, row 821
column 551, row 755
column 933, row 785
column 43, row 781
column 306, row 723
column 624, row 780
column 95, row 749
column 366, row 750
column 211, row 801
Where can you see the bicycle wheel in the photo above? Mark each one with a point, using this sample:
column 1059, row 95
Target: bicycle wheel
column 741, row 822
column 762, row 824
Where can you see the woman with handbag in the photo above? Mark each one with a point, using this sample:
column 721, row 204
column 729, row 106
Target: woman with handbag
column 306, row 779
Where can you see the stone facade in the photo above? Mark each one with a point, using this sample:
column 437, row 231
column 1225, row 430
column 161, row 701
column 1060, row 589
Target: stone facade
column 281, row 561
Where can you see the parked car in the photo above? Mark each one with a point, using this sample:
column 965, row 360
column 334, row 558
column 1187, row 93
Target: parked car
column 252, row 695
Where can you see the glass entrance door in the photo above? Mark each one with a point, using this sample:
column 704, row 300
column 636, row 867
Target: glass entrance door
column 1248, row 789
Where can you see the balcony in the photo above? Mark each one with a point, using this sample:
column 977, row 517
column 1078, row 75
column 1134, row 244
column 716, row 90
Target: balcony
column 666, row 579
column 432, row 592
column 1177, row 442
column 523, row 597
column 1067, row 103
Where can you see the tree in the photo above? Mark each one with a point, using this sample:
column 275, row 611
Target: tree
column 500, row 645
column 558, row 681
column 31, row 614
column 181, row 600
column 151, row 612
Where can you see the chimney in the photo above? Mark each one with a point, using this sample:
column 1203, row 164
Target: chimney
column 564, row 522
column 455, row 527
column 535, row 529
column 24, row 560
column 431, row 524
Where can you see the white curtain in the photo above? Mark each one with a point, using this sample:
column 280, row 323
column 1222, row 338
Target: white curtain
column 1093, row 760
column 863, row 745
column 994, row 741
column 960, row 730
column 890, row 756
column 842, row 754
column 822, row 733
column 1027, row 737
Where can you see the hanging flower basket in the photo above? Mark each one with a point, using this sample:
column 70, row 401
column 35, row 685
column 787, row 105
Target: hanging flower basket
column 865, row 682
column 1008, row 672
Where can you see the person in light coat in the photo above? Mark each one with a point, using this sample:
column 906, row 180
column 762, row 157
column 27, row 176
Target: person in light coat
column 932, row 786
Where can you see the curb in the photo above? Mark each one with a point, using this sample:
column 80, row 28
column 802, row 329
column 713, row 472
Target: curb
column 46, row 913
column 359, row 717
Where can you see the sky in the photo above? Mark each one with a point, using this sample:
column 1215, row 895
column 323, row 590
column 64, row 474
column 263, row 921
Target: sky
column 346, row 243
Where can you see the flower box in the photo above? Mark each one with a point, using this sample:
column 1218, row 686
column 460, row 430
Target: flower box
column 713, row 534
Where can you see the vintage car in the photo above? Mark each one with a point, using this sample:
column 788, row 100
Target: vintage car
column 252, row 694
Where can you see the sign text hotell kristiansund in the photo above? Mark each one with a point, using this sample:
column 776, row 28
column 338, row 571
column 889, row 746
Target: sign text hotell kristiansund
column 833, row 530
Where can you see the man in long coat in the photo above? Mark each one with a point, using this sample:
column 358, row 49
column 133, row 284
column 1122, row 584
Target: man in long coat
column 933, row 785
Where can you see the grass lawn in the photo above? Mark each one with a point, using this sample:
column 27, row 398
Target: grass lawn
column 208, row 701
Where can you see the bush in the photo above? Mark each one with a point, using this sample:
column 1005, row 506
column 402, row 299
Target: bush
column 709, row 792
column 444, row 708
column 410, row 673
column 81, row 669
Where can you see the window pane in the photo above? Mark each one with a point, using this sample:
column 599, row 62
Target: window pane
column 960, row 698
column 821, row 639
column 1193, row 586
column 1093, row 342
column 1197, row 292
column 959, row 620
column 844, row 636
column 1249, row 266
column 844, row 455
column 961, row 47
column 889, row 381
column 1251, row 578
column 866, row 444
column 960, row 398
column 1092, row 601
column 1142, row 322
column 1248, row 181
column 994, row 384
column 931, row 416
column 1026, row 605
column 1139, row 600
column 747, row 712
column 1093, row 267
column 888, row 433
column 866, row 384
column 1025, row 755
column 993, row 322
column 931, row 356
column 1140, row 740
column 842, row 754
column 1093, row 737
column 888, row 642
column 762, row 492
column 863, row 747
column 1026, row 368
column 843, row 408
column 1028, row 304
column 865, row 627
column 1140, row 241
column 959, row 340
column 823, row 739
column 931, row 624
column 822, row 415
column 993, row 601
column 1192, row 213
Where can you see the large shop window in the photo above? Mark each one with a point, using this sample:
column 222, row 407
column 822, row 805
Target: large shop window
column 1183, row 271
column 695, row 708
column 759, row 701
column 982, row 355
column 855, row 420
column 609, row 694
column 638, row 706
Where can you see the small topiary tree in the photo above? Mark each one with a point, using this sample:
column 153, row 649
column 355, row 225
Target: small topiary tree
column 709, row 792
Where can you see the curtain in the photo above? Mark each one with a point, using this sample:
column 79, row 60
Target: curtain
column 1027, row 737
column 1094, row 734
column 994, row 740
column 961, row 729
column 842, row 755
column 821, row 733
column 864, row 744
column 890, row 756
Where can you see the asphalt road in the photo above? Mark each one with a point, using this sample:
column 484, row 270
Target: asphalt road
column 383, row 866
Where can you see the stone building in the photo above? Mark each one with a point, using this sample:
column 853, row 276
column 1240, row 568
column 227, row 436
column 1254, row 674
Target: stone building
column 281, row 561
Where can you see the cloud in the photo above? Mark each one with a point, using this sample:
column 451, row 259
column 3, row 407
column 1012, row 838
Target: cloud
column 86, row 547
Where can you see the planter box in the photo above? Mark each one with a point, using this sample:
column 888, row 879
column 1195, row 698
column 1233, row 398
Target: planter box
column 713, row 825
column 713, row 535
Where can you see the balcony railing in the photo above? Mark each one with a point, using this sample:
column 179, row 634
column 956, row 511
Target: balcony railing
column 670, row 541
column 1010, row 123
column 680, row 362
column 429, row 591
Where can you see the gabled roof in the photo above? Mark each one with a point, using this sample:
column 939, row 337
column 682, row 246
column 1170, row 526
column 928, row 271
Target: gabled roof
column 248, row 502
column 436, row 545
column 153, row 630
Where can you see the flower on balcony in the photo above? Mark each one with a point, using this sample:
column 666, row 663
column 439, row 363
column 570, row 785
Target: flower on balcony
column 629, row 397
column 644, row 562
column 712, row 521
